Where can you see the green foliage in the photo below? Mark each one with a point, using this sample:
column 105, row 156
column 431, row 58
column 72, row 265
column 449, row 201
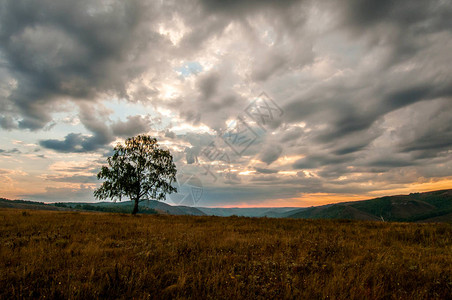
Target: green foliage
column 137, row 170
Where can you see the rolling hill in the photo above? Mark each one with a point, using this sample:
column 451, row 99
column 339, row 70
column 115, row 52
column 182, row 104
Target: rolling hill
column 272, row 212
column 415, row 207
column 146, row 207
column 435, row 206
column 23, row 204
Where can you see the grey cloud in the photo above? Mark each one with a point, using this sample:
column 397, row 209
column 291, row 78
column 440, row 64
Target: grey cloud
column 367, row 13
column 96, row 122
column 73, row 178
column 71, row 50
column 73, row 142
column 430, row 134
column 268, row 66
column 215, row 101
column 265, row 171
column 9, row 152
column 82, row 194
column 317, row 161
column 271, row 61
column 265, row 179
column 270, row 154
column 291, row 135
column 391, row 162
column 360, row 77
column 191, row 155
column 133, row 126
column 7, row 122
column 170, row 134
column 208, row 85
column 235, row 7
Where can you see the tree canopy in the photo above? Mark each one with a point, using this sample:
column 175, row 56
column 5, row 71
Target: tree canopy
column 138, row 170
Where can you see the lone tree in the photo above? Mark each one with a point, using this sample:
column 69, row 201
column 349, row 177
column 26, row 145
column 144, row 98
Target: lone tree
column 138, row 170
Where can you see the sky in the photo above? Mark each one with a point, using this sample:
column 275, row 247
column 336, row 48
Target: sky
column 261, row 103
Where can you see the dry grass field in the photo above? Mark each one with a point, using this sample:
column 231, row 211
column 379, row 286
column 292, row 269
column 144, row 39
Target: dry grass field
column 47, row 254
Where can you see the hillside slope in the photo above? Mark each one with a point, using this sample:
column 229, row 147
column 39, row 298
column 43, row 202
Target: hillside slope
column 145, row 207
column 271, row 212
column 415, row 207
column 22, row 204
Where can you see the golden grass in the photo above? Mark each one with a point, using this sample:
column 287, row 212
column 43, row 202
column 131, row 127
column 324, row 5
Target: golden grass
column 97, row 255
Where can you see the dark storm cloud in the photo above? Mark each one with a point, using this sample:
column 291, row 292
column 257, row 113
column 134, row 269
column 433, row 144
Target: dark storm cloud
column 70, row 49
column 400, row 59
column 73, row 142
column 431, row 135
column 349, row 112
column 236, row 7
column 365, row 85
column 367, row 13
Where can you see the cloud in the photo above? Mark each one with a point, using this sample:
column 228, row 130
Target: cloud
column 270, row 154
column 73, row 178
column 84, row 193
column 73, row 142
column 317, row 161
column 431, row 134
column 265, row 171
column 74, row 50
column 9, row 152
column 365, row 86
column 133, row 126
column 96, row 122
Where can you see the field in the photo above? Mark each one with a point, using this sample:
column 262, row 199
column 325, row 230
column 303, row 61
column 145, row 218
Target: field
column 100, row 255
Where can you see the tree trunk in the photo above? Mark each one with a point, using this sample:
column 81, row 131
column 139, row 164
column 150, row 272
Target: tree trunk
column 135, row 207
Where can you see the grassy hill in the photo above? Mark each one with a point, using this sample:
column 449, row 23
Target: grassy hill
column 145, row 207
column 23, row 204
column 416, row 207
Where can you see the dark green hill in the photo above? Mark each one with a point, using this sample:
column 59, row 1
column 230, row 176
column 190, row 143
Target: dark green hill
column 146, row 207
column 416, row 207
column 23, row 204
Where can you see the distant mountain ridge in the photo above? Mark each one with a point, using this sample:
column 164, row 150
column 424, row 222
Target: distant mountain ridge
column 271, row 212
column 434, row 206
